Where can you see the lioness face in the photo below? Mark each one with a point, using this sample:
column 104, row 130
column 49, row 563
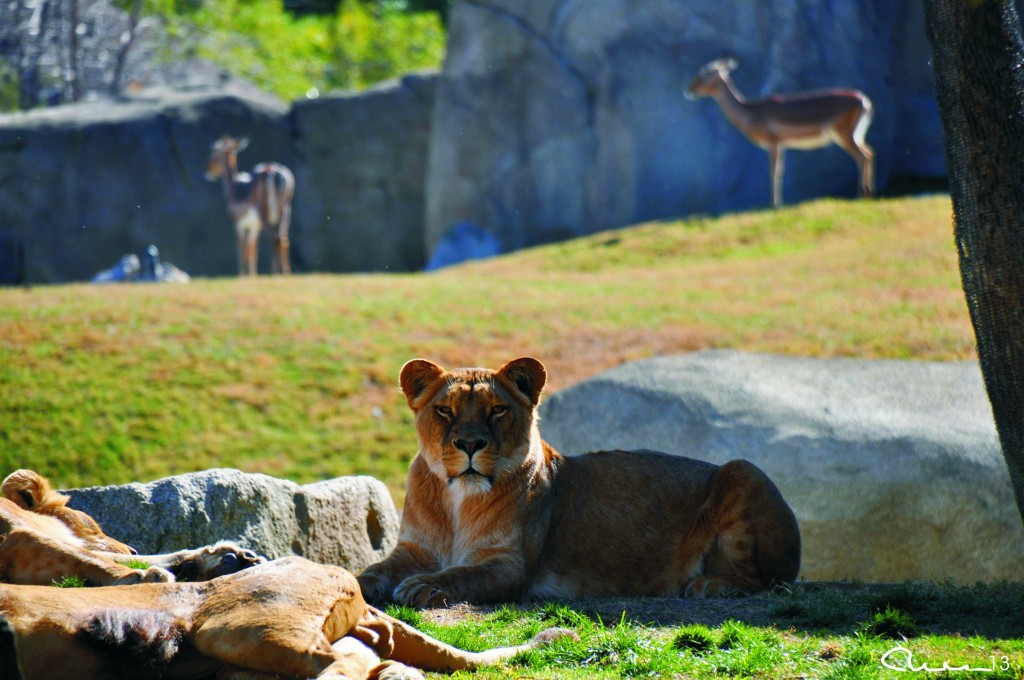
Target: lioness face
column 474, row 424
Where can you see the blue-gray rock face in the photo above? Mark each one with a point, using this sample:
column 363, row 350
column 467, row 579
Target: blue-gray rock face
column 555, row 118
column 893, row 468
column 348, row 521
column 82, row 185
column 360, row 162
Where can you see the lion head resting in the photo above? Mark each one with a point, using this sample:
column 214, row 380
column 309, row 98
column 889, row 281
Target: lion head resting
column 50, row 513
column 42, row 540
column 494, row 513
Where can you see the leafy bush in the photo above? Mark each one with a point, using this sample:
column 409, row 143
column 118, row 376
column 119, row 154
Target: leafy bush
column 292, row 57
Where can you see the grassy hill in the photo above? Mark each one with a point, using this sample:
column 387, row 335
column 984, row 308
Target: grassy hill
column 298, row 377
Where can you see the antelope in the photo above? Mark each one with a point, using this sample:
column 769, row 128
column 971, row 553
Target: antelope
column 808, row 120
column 258, row 202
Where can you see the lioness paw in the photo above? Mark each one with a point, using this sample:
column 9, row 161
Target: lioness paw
column 704, row 587
column 376, row 587
column 157, row 575
column 392, row 670
column 149, row 575
column 421, row 592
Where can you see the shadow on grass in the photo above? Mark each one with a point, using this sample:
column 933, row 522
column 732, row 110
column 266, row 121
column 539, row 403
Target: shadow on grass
column 991, row 611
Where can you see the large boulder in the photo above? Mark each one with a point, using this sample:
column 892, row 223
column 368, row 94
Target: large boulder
column 893, row 467
column 556, row 118
column 348, row 521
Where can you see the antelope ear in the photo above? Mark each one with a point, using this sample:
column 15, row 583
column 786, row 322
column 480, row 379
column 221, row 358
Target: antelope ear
column 528, row 375
column 417, row 375
column 243, row 143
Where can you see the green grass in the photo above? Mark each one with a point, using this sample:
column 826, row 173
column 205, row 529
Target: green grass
column 134, row 563
column 752, row 637
column 298, row 377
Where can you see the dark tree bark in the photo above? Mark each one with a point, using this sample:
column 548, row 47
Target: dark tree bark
column 74, row 69
column 32, row 47
column 124, row 48
column 978, row 60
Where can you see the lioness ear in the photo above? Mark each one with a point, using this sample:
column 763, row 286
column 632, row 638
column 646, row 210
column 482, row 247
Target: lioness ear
column 417, row 375
column 27, row 488
column 528, row 375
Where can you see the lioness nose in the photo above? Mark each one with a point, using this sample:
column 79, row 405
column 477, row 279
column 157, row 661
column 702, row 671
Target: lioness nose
column 470, row 447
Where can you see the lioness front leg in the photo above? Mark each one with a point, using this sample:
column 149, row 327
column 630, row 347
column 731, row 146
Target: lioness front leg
column 490, row 581
column 378, row 581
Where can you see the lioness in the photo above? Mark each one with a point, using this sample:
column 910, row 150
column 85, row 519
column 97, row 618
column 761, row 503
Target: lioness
column 43, row 540
column 493, row 513
column 290, row 618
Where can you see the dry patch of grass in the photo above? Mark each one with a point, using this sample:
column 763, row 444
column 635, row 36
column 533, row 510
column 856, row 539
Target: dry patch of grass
column 298, row 376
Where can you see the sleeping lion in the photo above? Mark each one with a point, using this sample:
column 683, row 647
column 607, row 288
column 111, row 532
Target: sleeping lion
column 286, row 619
column 43, row 540
column 494, row 513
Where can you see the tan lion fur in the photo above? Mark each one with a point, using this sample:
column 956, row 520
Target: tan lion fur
column 493, row 513
column 290, row 618
column 42, row 540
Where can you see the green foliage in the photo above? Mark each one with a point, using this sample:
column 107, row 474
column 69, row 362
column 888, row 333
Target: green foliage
column 414, row 617
column 695, row 638
column 744, row 642
column 891, row 624
column 298, row 56
column 9, row 95
column 70, row 582
column 135, row 563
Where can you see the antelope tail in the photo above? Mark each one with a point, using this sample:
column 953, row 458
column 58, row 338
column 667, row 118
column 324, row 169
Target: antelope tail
column 275, row 187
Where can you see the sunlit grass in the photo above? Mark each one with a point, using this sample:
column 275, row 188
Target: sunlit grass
column 752, row 637
column 298, row 377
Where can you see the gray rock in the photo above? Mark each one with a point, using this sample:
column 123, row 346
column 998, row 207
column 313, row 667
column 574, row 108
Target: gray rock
column 359, row 163
column 556, row 118
column 893, row 467
column 347, row 521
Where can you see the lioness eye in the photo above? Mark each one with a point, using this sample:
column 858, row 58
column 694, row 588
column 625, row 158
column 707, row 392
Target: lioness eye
column 444, row 411
column 499, row 410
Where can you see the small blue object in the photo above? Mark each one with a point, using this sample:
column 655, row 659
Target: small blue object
column 125, row 270
column 130, row 269
column 465, row 241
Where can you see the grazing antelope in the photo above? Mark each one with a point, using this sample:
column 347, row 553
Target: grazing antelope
column 257, row 202
column 808, row 120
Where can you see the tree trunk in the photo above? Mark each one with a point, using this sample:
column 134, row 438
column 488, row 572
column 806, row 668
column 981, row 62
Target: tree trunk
column 74, row 71
column 126, row 45
column 977, row 53
column 33, row 43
